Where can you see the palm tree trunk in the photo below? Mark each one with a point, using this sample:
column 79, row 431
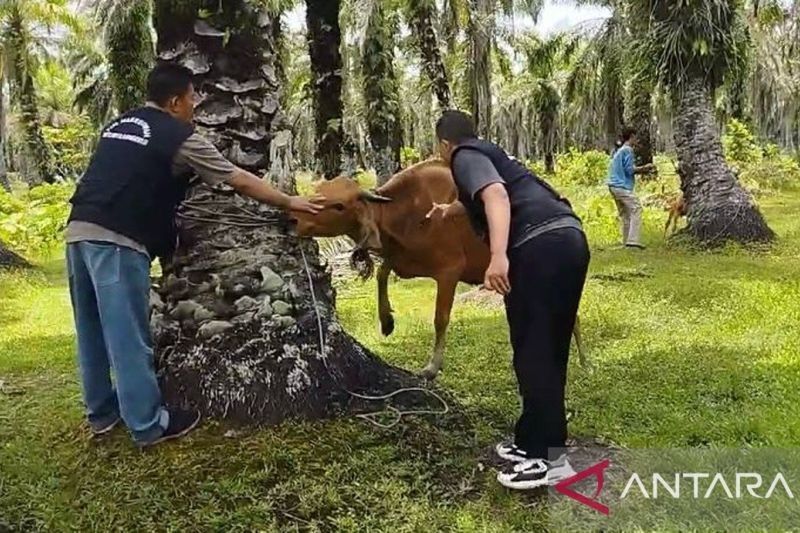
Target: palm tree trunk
column 481, row 27
column 4, row 183
column 37, row 148
column 641, row 85
column 719, row 209
column 422, row 22
column 239, row 321
column 547, row 125
column 131, row 54
column 381, row 94
column 640, row 118
column 324, row 41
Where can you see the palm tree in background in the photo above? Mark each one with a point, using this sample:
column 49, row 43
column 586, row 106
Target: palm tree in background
column 545, row 60
column 126, row 29
column 324, row 42
column 608, row 76
column 422, row 17
column 693, row 45
column 480, row 18
column 24, row 29
column 773, row 82
column 381, row 94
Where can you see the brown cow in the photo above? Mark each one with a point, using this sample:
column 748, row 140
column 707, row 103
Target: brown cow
column 392, row 222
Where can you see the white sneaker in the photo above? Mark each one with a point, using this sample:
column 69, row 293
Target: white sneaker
column 536, row 473
column 508, row 451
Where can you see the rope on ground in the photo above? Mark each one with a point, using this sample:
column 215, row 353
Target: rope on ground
column 372, row 418
column 249, row 219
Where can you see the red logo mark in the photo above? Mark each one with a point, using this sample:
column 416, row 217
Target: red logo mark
column 596, row 471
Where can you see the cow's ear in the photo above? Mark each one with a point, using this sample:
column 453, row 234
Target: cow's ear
column 371, row 196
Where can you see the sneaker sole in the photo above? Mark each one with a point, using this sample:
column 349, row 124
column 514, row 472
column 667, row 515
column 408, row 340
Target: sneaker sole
column 522, row 485
column 554, row 476
column 106, row 430
column 173, row 437
column 532, row 484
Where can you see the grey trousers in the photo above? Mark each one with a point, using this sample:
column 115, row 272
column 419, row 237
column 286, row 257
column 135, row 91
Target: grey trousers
column 630, row 215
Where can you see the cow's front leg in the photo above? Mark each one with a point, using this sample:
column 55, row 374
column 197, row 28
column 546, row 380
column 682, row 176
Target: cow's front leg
column 384, row 307
column 445, row 293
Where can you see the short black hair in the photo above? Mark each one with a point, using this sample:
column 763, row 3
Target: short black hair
column 166, row 81
column 627, row 133
column 455, row 126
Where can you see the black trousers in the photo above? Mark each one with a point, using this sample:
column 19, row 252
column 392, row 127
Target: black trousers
column 547, row 275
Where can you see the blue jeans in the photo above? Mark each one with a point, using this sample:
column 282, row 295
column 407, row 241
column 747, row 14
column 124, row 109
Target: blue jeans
column 110, row 290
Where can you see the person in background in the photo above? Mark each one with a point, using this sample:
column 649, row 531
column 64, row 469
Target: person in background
column 123, row 215
column 621, row 183
column 539, row 260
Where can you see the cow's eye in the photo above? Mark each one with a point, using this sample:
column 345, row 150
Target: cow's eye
column 338, row 207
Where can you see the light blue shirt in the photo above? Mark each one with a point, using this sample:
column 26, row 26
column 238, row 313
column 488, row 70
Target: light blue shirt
column 620, row 174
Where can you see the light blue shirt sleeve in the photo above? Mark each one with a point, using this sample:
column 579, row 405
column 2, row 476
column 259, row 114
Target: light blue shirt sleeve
column 621, row 171
column 627, row 163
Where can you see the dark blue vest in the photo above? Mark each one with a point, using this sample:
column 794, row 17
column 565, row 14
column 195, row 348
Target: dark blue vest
column 129, row 187
column 533, row 201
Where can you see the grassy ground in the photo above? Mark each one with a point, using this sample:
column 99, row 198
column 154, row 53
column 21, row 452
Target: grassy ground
column 690, row 349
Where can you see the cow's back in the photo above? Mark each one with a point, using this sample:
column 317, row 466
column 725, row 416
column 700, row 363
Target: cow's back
column 417, row 246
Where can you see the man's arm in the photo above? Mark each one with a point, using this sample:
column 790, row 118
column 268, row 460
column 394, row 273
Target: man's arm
column 199, row 155
column 498, row 214
column 475, row 174
column 250, row 185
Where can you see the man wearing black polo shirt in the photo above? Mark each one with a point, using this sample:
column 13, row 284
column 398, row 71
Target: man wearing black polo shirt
column 539, row 260
column 122, row 216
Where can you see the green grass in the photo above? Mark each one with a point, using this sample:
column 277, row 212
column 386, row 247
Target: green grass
column 690, row 349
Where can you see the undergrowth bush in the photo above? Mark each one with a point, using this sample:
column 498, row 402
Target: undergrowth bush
column 537, row 167
column 740, row 145
column 761, row 169
column 409, row 156
column 773, row 173
column 72, row 145
column 33, row 222
column 584, row 168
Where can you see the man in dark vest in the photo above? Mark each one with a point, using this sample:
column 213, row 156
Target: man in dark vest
column 122, row 216
column 539, row 260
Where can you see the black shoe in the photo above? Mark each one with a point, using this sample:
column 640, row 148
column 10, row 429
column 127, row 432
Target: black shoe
column 180, row 423
column 536, row 473
column 98, row 430
column 635, row 246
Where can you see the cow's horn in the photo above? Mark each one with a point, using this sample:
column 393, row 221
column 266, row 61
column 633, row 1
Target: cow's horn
column 370, row 196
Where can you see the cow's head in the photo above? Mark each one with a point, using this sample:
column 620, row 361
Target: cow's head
column 346, row 212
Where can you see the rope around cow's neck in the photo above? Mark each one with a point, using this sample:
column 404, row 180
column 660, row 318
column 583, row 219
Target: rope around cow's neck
column 249, row 219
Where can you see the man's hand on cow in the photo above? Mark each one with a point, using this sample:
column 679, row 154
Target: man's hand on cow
column 496, row 278
column 446, row 210
column 304, row 205
column 438, row 210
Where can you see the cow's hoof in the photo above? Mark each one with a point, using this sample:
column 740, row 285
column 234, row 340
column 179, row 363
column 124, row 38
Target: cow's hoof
column 429, row 373
column 387, row 326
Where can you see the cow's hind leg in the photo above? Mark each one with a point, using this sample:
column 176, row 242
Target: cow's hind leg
column 445, row 293
column 384, row 307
